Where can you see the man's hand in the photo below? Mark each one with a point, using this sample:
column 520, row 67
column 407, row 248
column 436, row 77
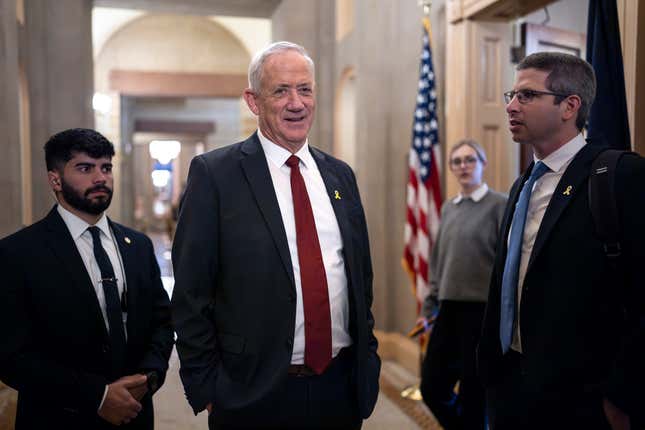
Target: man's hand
column 618, row 420
column 140, row 390
column 120, row 406
column 209, row 408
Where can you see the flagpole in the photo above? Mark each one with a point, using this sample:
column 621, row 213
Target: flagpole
column 413, row 392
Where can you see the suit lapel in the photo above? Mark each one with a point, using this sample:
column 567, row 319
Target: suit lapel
column 128, row 256
column 333, row 185
column 254, row 165
column 570, row 185
column 63, row 247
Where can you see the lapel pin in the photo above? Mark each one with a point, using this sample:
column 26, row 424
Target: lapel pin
column 336, row 195
column 567, row 192
column 127, row 240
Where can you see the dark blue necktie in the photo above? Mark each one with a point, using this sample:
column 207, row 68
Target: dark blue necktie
column 512, row 264
column 112, row 303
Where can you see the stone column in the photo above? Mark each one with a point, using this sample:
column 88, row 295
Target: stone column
column 59, row 68
column 310, row 23
column 10, row 180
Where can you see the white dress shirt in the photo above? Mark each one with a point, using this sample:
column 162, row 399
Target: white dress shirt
column 82, row 237
column 476, row 195
column 331, row 242
column 543, row 189
column 83, row 240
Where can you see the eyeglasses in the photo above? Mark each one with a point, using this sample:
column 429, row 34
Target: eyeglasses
column 457, row 161
column 526, row 96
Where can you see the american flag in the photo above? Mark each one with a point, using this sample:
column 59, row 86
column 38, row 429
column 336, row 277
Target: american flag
column 424, row 187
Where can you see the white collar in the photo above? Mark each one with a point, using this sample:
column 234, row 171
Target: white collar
column 77, row 226
column 279, row 155
column 476, row 195
column 560, row 158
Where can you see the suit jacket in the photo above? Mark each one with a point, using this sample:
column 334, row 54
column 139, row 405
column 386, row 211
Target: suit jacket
column 234, row 300
column 582, row 324
column 55, row 344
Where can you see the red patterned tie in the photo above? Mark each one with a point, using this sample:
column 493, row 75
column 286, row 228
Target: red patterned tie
column 312, row 276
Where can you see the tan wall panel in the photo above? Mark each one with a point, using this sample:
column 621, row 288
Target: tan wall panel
column 630, row 16
column 160, row 84
column 489, row 44
column 457, row 93
column 10, row 180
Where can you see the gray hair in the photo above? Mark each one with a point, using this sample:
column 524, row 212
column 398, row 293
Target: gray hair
column 257, row 63
column 568, row 74
column 481, row 154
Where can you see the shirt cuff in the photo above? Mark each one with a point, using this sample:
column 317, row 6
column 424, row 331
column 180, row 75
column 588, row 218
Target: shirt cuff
column 103, row 399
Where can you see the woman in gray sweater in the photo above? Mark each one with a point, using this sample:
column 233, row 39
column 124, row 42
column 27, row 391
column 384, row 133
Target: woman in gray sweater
column 460, row 269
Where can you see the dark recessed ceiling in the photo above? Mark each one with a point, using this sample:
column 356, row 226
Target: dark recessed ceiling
column 242, row 8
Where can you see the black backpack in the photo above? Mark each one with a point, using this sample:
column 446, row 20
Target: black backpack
column 604, row 211
column 602, row 201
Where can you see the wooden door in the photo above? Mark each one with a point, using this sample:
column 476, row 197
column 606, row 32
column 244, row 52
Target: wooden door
column 478, row 71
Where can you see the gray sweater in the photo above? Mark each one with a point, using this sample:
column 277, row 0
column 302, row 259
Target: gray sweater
column 462, row 258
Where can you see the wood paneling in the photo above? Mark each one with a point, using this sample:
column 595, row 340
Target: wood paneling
column 454, row 11
column 631, row 17
column 537, row 38
column 141, row 83
column 174, row 127
column 500, row 10
column 243, row 8
column 489, row 47
column 478, row 66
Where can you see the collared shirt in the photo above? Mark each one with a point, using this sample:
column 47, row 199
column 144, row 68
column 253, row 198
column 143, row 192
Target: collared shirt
column 331, row 242
column 82, row 237
column 83, row 241
column 543, row 189
column 475, row 196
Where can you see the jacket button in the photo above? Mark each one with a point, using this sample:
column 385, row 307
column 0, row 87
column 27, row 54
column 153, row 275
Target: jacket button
column 105, row 349
column 289, row 344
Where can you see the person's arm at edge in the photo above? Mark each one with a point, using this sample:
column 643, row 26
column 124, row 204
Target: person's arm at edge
column 161, row 338
column 195, row 260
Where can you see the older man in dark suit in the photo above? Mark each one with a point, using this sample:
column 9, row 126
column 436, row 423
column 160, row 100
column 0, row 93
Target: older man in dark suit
column 563, row 339
column 87, row 332
column 273, row 274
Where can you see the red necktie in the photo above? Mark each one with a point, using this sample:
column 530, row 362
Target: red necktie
column 312, row 276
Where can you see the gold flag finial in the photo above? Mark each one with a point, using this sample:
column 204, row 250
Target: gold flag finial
column 426, row 6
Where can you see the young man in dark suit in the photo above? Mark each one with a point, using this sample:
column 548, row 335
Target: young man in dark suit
column 87, row 321
column 563, row 339
column 273, row 273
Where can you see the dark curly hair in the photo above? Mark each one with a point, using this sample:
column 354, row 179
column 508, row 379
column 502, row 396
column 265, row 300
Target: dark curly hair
column 61, row 147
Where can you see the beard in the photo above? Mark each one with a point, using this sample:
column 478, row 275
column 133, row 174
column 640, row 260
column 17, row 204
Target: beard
column 79, row 200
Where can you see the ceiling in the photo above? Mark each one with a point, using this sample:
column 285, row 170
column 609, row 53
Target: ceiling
column 242, row 8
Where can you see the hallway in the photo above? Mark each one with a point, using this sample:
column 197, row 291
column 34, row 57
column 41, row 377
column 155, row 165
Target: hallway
column 172, row 411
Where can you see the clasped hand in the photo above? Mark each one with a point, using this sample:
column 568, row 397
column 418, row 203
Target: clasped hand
column 122, row 402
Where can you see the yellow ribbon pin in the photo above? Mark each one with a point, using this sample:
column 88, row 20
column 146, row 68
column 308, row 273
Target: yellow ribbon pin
column 336, row 195
column 567, row 192
column 127, row 240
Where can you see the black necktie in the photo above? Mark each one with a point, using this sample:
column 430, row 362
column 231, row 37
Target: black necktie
column 112, row 302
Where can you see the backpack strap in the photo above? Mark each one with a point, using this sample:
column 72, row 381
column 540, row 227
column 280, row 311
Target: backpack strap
column 602, row 201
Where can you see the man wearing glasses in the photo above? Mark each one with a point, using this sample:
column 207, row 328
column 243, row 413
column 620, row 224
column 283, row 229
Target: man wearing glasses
column 563, row 340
